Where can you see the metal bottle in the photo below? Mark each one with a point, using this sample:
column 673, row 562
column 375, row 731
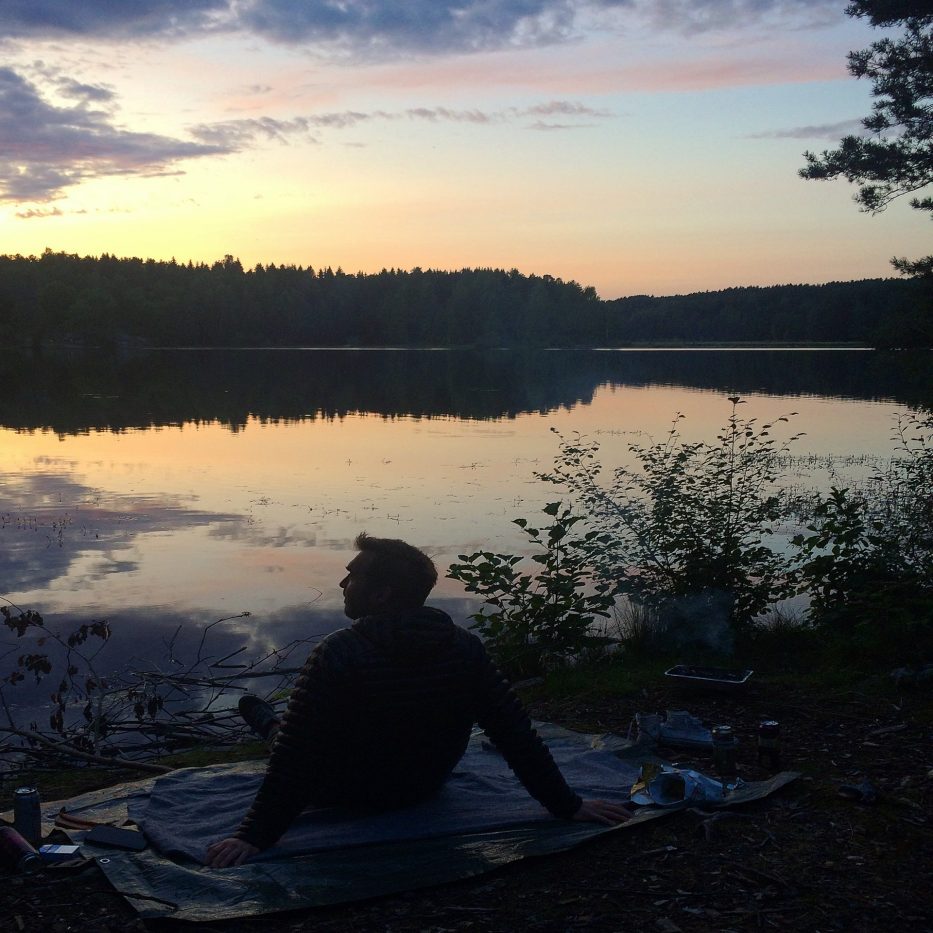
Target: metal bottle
column 27, row 814
column 16, row 853
column 724, row 749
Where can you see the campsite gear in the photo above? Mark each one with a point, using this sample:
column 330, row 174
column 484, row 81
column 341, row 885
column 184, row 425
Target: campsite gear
column 672, row 787
column 720, row 679
column 769, row 745
column 66, row 820
column 259, row 715
column 724, row 749
column 676, row 729
column 111, row 837
column 665, row 786
column 27, row 814
column 479, row 821
column 59, row 853
column 16, row 853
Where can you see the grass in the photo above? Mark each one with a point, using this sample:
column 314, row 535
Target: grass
column 63, row 783
column 786, row 654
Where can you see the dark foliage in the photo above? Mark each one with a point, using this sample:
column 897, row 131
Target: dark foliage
column 895, row 156
column 878, row 312
column 58, row 298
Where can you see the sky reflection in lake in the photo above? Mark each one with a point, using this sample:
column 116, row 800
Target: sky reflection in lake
column 199, row 519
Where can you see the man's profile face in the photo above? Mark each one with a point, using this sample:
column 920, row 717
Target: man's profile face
column 360, row 596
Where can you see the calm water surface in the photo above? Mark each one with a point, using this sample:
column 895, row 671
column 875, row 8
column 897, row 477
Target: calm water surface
column 175, row 487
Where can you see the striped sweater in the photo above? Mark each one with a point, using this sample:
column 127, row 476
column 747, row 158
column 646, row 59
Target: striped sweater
column 380, row 715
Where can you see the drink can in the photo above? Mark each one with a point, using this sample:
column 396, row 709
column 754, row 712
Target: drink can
column 16, row 853
column 769, row 744
column 27, row 814
column 724, row 751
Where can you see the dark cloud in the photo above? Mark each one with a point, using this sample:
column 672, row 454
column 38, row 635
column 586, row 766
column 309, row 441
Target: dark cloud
column 373, row 28
column 815, row 131
column 91, row 93
column 66, row 86
column 445, row 115
column 239, row 134
column 48, row 19
column 45, row 148
column 33, row 213
column 694, row 15
column 380, row 29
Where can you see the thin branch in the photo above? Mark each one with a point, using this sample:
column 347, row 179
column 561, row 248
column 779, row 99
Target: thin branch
column 85, row 756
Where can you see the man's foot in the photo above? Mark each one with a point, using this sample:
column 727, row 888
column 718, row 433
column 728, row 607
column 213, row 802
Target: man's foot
column 259, row 715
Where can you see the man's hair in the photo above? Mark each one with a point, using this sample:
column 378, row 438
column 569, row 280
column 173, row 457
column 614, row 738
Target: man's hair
column 408, row 572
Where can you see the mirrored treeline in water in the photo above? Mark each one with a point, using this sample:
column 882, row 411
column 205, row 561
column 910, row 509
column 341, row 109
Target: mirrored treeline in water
column 70, row 393
column 164, row 490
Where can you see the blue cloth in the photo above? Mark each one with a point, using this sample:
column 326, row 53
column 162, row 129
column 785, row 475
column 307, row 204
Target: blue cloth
column 191, row 808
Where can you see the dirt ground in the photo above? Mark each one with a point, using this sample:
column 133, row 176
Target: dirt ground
column 806, row 858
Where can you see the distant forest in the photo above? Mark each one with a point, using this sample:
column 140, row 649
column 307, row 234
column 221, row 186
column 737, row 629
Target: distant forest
column 62, row 298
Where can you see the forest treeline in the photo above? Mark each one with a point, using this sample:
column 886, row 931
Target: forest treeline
column 61, row 297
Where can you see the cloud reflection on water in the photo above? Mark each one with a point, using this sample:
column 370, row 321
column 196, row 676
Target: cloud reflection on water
column 164, row 639
column 51, row 521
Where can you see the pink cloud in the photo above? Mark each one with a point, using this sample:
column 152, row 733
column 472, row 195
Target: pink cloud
column 605, row 69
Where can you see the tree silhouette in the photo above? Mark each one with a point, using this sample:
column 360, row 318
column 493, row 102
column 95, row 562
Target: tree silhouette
column 896, row 157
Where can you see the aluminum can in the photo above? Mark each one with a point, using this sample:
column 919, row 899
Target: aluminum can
column 769, row 745
column 16, row 854
column 724, row 749
column 27, row 814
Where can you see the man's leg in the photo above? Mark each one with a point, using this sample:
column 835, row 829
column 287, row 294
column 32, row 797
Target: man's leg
column 260, row 717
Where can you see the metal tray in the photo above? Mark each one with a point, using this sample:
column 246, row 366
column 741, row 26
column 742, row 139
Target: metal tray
column 711, row 678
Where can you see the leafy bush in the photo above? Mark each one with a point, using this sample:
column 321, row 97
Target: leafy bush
column 676, row 548
column 68, row 658
column 531, row 619
column 866, row 547
column 684, row 531
column 888, row 626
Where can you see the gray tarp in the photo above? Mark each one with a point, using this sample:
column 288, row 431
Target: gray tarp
column 482, row 820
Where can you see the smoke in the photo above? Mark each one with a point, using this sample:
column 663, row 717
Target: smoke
column 698, row 624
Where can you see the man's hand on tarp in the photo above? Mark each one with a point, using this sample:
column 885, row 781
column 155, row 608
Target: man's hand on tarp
column 602, row 811
column 229, row 852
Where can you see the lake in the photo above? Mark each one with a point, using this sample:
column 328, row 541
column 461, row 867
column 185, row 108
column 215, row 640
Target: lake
column 163, row 490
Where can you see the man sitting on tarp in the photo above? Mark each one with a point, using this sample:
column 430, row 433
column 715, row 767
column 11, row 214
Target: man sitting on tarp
column 382, row 711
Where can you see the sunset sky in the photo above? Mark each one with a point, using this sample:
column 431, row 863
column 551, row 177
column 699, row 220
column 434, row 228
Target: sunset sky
column 640, row 146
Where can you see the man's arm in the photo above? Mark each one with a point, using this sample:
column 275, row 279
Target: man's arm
column 505, row 721
column 602, row 811
column 229, row 852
